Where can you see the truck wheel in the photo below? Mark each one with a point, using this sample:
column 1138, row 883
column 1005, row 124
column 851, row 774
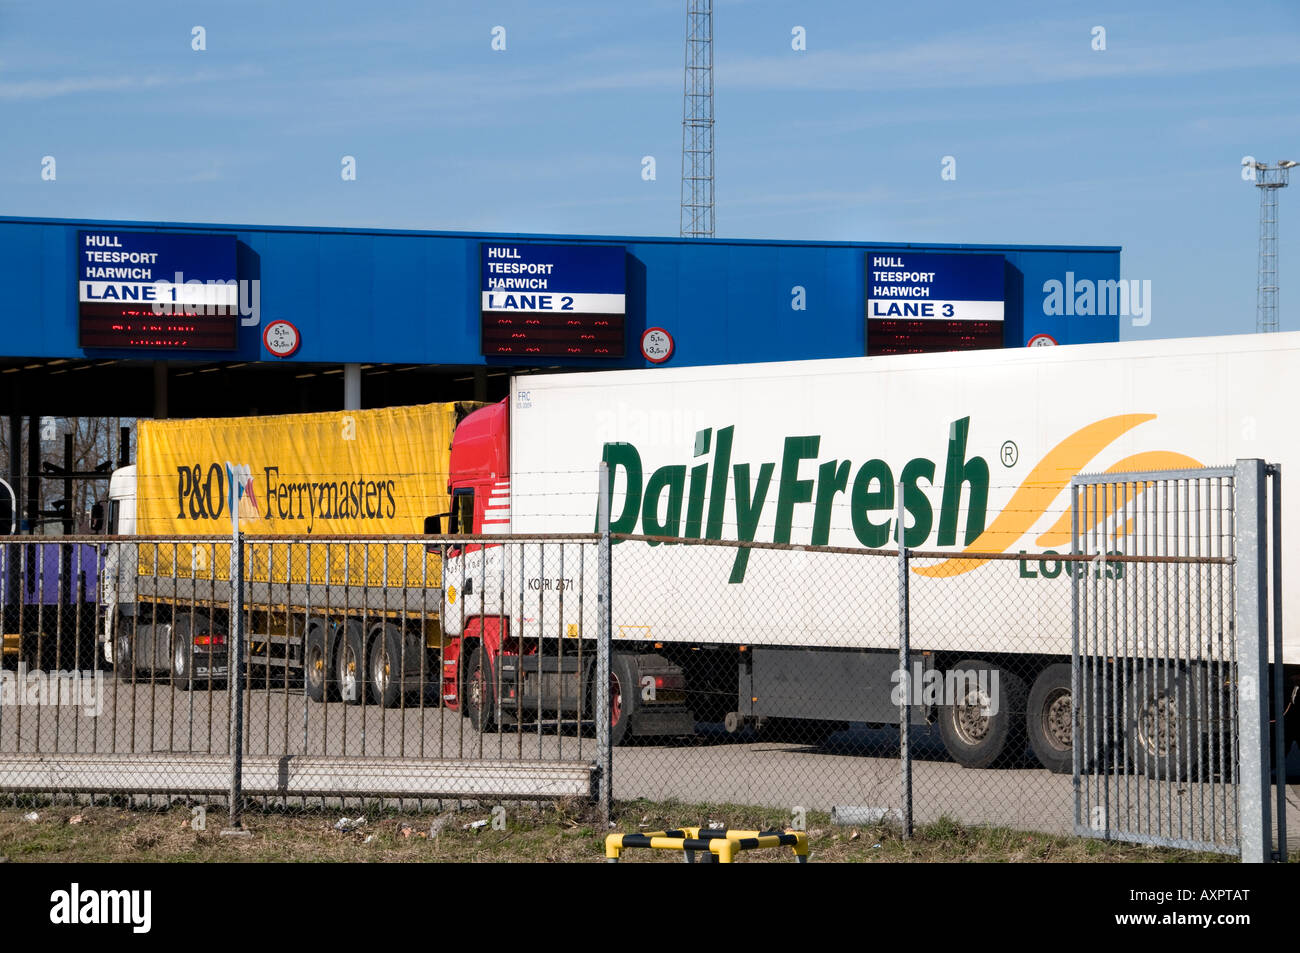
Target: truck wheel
column 351, row 664
column 985, row 725
column 183, row 651
column 1164, row 731
column 182, row 654
column 386, row 666
column 123, row 660
column 623, row 698
column 1049, row 719
column 480, row 700
column 317, row 667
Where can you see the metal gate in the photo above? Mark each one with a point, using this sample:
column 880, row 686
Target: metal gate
column 1169, row 658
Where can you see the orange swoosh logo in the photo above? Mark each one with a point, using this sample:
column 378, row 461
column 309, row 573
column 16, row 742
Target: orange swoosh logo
column 1060, row 533
column 1043, row 485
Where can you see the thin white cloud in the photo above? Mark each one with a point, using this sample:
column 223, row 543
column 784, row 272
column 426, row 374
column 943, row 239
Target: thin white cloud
column 39, row 89
column 49, row 88
column 1046, row 53
column 828, row 197
column 1001, row 59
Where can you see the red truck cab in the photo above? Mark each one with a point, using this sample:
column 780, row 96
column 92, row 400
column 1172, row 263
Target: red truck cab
column 478, row 482
column 484, row 665
column 479, row 476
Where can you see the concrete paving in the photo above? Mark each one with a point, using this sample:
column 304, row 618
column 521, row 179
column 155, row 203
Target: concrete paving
column 857, row 768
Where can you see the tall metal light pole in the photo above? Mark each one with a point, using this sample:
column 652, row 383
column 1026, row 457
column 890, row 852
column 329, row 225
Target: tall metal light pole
column 697, row 122
column 1268, row 179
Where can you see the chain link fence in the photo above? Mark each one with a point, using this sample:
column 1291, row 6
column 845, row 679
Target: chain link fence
column 914, row 687
column 358, row 675
column 800, row 688
column 875, row 685
column 793, row 709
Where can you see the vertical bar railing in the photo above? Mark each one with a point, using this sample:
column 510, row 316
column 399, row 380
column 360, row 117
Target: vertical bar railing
column 234, row 668
column 541, row 643
column 904, row 653
column 560, row 679
column 1157, row 669
column 1253, row 793
column 1082, row 717
column 604, row 625
column 1280, row 741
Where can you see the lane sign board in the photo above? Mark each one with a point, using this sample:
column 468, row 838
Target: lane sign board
column 934, row 301
column 157, row 290
column 553, row 300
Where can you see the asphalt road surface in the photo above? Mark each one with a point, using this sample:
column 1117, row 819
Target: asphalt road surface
column 856, row 768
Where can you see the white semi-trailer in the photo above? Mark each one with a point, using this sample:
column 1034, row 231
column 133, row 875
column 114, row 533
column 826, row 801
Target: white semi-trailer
column 984, row 445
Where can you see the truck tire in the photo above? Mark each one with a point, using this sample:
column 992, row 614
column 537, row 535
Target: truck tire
column 623, row 698
column 1049, row 718
column 182, row 654
column 318, row 674
column 480, row 697
column 182, row 648
column 123, row 657
column 387, row 666
column 975, row 734
column 351, row 664
column 1165, row 729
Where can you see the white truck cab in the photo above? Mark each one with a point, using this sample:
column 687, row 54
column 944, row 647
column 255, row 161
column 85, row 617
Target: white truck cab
column 117, row 573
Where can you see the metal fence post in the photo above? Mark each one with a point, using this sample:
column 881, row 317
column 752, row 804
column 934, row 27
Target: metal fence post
column 1251, row 598
column 1077, row 727
column 905, row 676
column 235, row 670
column 1280, row 741
column 603, row 634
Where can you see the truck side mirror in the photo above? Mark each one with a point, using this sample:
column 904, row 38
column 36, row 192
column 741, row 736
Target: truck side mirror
column 97, row 518
column 433, row 524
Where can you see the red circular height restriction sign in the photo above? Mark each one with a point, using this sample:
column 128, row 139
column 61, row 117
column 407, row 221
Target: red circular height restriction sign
column 281, row 338
column 656, row 345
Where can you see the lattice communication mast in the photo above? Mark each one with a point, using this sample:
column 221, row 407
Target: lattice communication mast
column 697, row 122
column 1268, row 179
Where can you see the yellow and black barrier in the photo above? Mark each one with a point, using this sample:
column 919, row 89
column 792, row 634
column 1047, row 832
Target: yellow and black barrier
column 720, row 846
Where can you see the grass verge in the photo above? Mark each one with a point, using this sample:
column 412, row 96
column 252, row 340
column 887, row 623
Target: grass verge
column 559, row 833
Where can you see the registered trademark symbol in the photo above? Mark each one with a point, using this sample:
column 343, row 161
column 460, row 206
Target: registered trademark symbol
column 1010, row 454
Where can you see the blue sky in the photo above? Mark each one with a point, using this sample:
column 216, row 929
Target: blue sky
column 1138, row 145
